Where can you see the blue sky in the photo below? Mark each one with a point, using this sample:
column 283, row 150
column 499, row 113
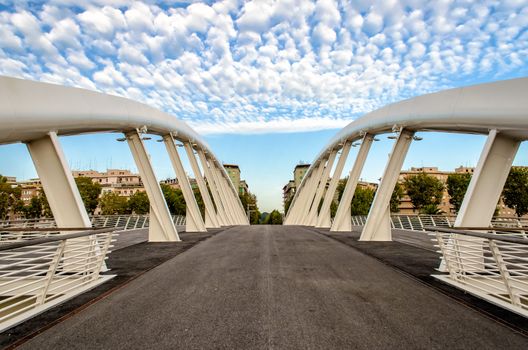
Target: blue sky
column 266, row 82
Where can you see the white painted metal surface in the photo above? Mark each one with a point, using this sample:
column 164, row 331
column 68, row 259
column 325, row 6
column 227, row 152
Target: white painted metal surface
column 311, row 219
column 377, row 227
column 40, row 274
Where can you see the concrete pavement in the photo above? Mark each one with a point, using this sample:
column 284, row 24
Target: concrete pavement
column 264, row 287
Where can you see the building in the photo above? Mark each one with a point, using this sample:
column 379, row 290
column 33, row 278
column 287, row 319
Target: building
column 243, row 189
column 174, row 183
column 29, row 189
column 288, row 191
column 120, row 181
column 234, row 174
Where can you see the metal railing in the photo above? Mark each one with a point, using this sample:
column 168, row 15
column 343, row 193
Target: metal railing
column 492, row 265
column 418, row 222
column 127, row 222
column 39, row 273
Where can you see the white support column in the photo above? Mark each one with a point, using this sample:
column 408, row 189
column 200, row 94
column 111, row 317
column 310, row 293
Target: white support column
column 237, row 204
column 306, row 203
column 193, row 217
column 377, row 227
column 211, row 221
column 487, row 182
column 342, row 221
column 161, row 227
column 299, row 200
column 57, row 181
column 224, row 195
column 323, row 220
column 222, row 215
column 312, row 214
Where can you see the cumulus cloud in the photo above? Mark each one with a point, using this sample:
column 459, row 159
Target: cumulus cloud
column 264, row 66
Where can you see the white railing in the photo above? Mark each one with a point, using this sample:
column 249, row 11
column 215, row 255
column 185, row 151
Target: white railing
column 493, row 266
column 418, row 222
column 127, row 222
column 39, row 273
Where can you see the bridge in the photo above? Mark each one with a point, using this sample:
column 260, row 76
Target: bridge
column 216, row 282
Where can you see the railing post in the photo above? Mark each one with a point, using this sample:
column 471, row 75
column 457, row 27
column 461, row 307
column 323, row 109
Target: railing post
column 505, row 274
column 41, row 299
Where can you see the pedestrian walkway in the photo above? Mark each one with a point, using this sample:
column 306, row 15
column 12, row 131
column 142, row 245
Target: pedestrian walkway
column 264, row 287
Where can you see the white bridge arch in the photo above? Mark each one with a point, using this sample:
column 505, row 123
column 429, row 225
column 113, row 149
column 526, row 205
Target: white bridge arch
column 37, row 113
column 498, row 109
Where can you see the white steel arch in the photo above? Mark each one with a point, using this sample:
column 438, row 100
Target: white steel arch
column 37, row 113
column 498, row 109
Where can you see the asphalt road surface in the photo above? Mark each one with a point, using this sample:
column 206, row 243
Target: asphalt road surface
column 276, row 287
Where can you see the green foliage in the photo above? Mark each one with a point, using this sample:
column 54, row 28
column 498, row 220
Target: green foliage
column 34, row 209
column 457, row 185
column 424, row 191
column 174, row 199
column 396, row 196
column 251, row 200
column 515, row 192
column 199, row 201
column 46, row 210
column 138, row 203
column 89, row 191
column 287, row 204
column 113, row 204
column 9, row 198
column 363, row 197
column 273, row 218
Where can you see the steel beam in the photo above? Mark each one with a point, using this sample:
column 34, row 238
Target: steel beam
column 306, row 193
column 193, row 218
column 57, row 181
column 223, row 220
column 211, row 220
column 311, row 219
column 342, row 220
column 487, row 182
column 294, row 208
column 224, row 195
column 323, row 220
column 161, row 226
column 377, row 227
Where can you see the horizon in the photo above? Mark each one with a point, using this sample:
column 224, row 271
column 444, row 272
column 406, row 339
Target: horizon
column 267, row 84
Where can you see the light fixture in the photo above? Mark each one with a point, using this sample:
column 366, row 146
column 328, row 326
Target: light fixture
column 392, row 137
column 121, row 139
column 146, row 138
column 159, row 140
column 375, row 139
column 417, row 138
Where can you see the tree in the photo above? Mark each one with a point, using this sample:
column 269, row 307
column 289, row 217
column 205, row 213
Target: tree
column 89, row 191
column 396, row 196
column 362, row 200
column 515, row 192
column 34, row 209
column 138, row 203
column 249, row 201
column 174, row 199
column 273, row 218
column 287, row 204
column 113, row 204
column 424, row 191
column 457, row 185
column 9, row 198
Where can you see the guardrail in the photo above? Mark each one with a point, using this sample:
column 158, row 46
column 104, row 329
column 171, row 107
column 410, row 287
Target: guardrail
column 418, row 222
column 39, row 273
column 492, row 265
column 127, row 222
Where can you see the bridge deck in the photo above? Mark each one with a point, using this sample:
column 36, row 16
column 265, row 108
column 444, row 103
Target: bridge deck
column 276, row 287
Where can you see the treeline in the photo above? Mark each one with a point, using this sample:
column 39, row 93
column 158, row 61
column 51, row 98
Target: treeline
column 426, row 193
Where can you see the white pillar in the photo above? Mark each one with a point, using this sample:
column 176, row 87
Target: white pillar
column 193, row 217
column 222, row 216
column 301, row 197
column 211, row 220
column 57, row 181
column 323, row 219
column 224, row 194
column 377, row 227
column 295, row 205
column 487, row 182
column 161, row 226
column 312, row 214
column 307, row 201
column 234, row 197
column 342, row 221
